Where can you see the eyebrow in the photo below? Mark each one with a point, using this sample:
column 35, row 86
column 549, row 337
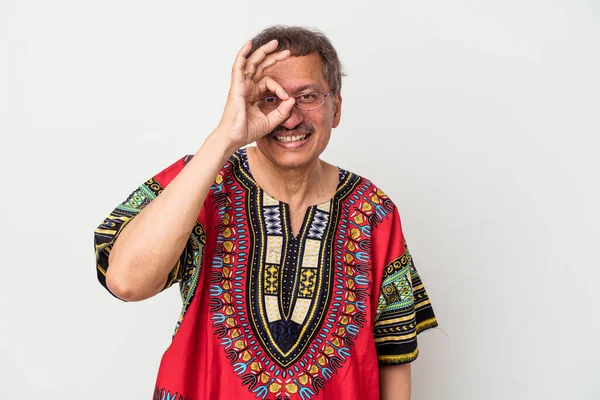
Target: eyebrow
column 299, row 89
column 302, row 88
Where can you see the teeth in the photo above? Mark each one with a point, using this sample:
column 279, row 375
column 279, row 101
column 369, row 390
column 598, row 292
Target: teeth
column 290, row 138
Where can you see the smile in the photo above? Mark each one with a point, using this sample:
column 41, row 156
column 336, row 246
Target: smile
column 287, row 139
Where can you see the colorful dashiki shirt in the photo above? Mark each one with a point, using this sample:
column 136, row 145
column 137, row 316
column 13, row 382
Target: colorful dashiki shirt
column 270, row 315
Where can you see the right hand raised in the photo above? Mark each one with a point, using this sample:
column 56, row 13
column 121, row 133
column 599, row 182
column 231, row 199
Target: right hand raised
column 242, row 121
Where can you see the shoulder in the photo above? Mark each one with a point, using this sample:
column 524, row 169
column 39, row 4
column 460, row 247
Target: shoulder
column 367, row 191
column 366, row 204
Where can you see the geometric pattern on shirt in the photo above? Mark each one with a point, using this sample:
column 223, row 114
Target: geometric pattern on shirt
column 272, row 220
column 346, row 287
column 271, row 279
column 403, row 311
column 284, row 284
column 296, row 296
column 318, row 225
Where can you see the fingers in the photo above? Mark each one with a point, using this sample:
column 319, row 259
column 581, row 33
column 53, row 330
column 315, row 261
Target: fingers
column 254, row 66
column 268, row 84
column 269, row 61
column 237, row 71
column 280, row 114
column 259, row 55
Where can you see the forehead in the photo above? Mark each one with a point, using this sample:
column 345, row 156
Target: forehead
column 296, row 72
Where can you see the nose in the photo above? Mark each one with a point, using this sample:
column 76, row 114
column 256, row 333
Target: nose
column 295, row 118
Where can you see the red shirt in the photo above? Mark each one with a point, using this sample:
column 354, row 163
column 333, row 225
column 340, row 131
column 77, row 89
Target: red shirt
column 270, row 315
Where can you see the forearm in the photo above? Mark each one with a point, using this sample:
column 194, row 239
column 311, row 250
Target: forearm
column 150, row 244
column 395, row 382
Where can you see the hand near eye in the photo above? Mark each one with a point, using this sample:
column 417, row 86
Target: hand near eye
column 242, row 121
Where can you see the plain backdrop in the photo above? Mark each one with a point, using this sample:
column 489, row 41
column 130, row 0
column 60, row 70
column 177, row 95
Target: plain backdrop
column 480, row 119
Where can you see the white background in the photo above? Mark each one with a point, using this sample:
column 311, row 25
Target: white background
column 478, row 118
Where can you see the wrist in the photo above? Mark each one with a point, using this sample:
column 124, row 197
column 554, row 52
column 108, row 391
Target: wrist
column 219, row 143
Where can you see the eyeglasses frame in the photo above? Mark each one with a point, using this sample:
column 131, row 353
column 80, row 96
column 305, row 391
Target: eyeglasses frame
column 325, row 95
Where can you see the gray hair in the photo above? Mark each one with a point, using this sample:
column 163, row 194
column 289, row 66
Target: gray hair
column 301, row 42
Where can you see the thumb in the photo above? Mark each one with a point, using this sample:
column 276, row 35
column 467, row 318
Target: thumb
column 281, row 113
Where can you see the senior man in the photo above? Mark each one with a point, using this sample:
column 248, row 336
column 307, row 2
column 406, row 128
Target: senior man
column 294, row 274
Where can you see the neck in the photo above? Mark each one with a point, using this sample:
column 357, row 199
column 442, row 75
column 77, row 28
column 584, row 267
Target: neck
column 299, row 187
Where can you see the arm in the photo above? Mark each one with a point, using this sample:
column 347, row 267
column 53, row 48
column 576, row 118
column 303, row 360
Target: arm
column 394, row 382
column 149, row 245
column 403, row 308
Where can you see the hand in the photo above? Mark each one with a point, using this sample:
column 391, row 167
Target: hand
column 242, row 121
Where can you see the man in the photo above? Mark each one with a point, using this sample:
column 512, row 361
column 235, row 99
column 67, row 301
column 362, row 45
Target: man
column 294, row 274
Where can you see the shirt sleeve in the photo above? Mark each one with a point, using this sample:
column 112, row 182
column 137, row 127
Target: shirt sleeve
column 185, row 271
column 403, row 308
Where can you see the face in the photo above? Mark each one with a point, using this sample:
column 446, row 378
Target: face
column 299, row 75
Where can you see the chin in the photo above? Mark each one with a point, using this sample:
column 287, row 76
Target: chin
column 286, row 159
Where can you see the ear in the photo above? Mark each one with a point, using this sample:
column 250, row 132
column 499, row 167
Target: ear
column 338, row 110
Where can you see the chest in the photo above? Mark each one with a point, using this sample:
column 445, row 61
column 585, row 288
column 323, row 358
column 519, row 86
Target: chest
column 285, row 269
column 290, row 289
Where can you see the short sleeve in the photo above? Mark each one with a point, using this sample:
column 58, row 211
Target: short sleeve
column 403, row 309
column 105, row 235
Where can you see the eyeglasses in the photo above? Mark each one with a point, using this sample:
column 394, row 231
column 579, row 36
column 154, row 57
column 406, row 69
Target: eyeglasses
column 307, row 101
